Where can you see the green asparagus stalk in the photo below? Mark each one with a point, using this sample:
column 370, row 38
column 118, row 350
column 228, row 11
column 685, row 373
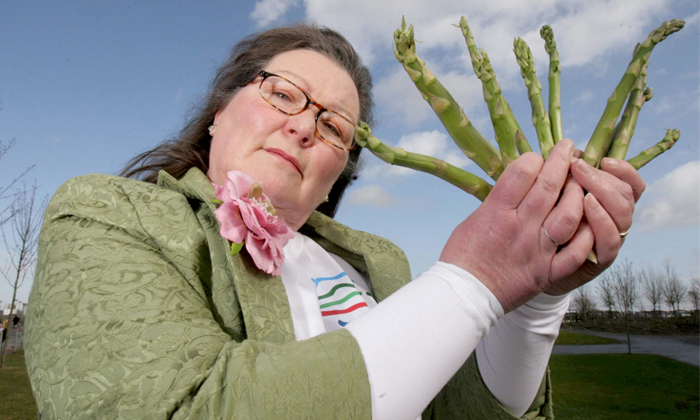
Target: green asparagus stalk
column 504, row 123
column 460, row 128
column 554, row 83
column 625, row 129
column 540, row 119
column 646, row 156
column 602, row 136
column 460, row 178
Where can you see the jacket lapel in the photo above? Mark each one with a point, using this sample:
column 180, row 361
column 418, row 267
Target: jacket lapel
column 236, row 281
column 240, row 288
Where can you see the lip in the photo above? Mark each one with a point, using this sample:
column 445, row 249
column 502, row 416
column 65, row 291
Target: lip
column 285, row 156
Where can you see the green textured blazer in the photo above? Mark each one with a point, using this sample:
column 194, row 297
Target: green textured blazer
column 139, row 312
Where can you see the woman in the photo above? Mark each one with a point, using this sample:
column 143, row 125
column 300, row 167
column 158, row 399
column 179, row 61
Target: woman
column 139, row 311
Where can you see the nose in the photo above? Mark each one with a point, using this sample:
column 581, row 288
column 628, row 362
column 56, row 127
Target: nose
column 302, row 127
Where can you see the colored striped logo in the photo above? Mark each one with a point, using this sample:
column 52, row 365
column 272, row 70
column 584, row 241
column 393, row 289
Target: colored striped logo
column 320, row 279
column 344, row 311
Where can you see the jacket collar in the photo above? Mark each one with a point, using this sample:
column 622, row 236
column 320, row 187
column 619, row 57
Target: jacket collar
column 262, row 298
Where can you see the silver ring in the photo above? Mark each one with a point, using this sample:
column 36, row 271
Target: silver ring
column 550, row 238
column 623, row 234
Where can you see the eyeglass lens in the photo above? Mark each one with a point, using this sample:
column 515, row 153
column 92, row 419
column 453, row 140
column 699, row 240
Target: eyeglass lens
column 289, row 99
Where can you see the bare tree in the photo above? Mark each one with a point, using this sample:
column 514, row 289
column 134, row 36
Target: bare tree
column 21, row 243
column 626, row 293
column 652, row 287
column 673, row 290
column 694, row 292
column 583, row 302
column 606, row 292
column 5, row 191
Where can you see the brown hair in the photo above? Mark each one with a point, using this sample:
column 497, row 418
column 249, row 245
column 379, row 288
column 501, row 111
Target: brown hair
column 248, row 57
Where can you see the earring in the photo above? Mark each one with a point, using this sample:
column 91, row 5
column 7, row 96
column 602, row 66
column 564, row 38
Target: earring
column 326, row 200
column 211, row 129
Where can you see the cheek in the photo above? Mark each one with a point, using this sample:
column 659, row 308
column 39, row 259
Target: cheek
column 333, row 165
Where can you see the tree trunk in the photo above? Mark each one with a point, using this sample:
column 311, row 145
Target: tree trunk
column 9, row 322
column 627, row 327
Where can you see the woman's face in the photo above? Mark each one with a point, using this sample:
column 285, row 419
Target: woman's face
column 282, row 152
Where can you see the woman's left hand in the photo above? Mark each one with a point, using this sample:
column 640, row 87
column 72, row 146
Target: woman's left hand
column 609, row 204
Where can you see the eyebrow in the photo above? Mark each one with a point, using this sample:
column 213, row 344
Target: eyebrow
column 305, row 84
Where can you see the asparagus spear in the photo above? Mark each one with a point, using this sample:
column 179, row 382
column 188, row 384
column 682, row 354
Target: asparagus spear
column 602, row 136
column 505, row 125
column 554, row 83
column 460, row 178
column 460, row 128
column 625, row 129
column 540, row 119
column 646, row 156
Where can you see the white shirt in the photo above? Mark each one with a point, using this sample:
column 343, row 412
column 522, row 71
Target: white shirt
column 414, row 341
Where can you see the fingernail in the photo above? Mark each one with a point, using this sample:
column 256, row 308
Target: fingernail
column 568, row 146
column 592, row 202
column 610, row 162
column 584, row 167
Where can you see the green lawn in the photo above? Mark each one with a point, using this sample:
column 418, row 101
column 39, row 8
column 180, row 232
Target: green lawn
column 16, row 397
column 586, row 387
column 621, row 387
column 568, row 337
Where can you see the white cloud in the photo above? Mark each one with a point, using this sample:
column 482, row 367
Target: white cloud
column 371, row 195
column 586, row 30
column 397, row 96
column 584, row 98
column 674, row 200
column 680, row 103
column 693, row 19
column 267, row 12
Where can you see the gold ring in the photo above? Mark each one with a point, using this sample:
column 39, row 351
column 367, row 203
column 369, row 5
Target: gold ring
column 623, row 234
column 550, row 238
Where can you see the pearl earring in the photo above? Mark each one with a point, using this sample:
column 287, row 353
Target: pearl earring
column 211, row 129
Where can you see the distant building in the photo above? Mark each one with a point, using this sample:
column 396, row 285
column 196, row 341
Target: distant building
column 20, row 309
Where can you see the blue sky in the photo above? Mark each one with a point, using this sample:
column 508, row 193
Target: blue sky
column 84, row 86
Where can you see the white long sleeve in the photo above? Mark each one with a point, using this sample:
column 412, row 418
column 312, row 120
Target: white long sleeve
column 415, row 341
column 513, row 357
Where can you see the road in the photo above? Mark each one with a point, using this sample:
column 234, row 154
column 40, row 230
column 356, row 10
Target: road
column 685, row 349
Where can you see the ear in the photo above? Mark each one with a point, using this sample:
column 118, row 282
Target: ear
column 218, row 115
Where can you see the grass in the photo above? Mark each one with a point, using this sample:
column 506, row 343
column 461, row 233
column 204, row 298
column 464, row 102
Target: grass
column 16, row 397
column 586, row 387
column 622, row 387
column 568, row 337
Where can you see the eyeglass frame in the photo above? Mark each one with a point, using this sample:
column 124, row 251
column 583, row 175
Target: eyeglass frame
column 309, row 101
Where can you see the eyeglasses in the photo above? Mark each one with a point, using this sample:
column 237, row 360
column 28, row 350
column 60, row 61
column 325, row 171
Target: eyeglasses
column 290, row 99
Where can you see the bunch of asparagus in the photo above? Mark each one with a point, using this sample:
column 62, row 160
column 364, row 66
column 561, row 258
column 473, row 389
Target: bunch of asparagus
column 610, row 137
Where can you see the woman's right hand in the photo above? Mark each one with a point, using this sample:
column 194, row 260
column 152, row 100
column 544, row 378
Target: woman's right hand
column 504, row 244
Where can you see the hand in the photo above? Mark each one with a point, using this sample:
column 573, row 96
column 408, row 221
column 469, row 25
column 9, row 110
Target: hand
column 613, row 191
column 503, row 243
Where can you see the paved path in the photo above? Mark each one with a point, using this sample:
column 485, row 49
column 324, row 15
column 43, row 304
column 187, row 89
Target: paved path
column 685, row 349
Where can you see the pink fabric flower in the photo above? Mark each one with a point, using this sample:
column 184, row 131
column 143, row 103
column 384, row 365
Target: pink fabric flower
column 247, row 216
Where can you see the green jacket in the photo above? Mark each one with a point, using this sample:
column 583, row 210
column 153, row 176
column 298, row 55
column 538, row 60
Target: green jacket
column 138, row 311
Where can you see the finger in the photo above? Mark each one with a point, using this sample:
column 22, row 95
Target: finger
column 515, row 182
column 578, row 153
column 614, row 195
column 571, row 257
column 544, row 193
column 623, row 188
column 606, row 233
column 626, row 173
column 562, row 223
